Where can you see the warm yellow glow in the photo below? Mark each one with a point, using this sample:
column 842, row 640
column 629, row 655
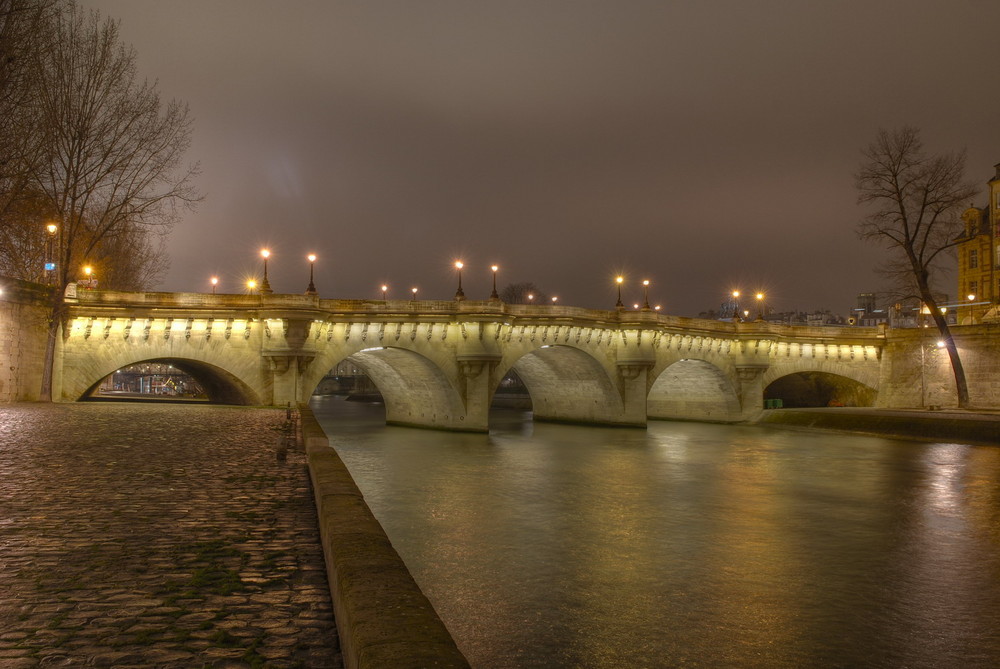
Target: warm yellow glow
column 944, row 310
column 459, row 264
column 657, row 307
column 635, row 306
column 384, row 287
column 311, row 257
column 215, row 280
column 494, row 268
column 251, row 284
column 52, row 228
column 971, row 296
column 265, row 253
column 736, row 293
column 554, row 299
column 940, row 344
column 531, row 296
column 760, row 296
column 925, row 309
column 645, row 282
column 619, row 279
column 414, row 291
column 88, row 270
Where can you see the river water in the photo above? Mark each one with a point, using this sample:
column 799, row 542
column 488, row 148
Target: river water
column 688, row 544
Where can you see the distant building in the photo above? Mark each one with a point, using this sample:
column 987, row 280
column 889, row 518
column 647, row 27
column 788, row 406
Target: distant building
column 979, row 258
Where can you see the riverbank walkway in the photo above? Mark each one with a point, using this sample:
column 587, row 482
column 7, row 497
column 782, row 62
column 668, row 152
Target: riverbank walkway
column 967, row 426
column 136, row 535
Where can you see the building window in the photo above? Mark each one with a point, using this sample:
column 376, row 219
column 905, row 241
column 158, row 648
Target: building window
column 973, row 285
column 973, row 258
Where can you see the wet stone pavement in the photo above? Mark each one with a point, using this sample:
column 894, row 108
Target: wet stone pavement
column 139, row 535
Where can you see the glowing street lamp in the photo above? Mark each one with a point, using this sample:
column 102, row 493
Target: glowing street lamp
column 531, row 298
column 385, row 289
column 311, row 290
column 215, row 282
column 554, row 299
column 494, row 295
column 618, row 304
column 459, row 294
column 265, row 285
column 251, row 285
column 636, row 306
column 760, row 306
column 50, row 261
column 414, row 293
column 645, row 295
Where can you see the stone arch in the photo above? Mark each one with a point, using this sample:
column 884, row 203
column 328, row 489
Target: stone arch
column 221, row 386
column 816, row 388
column 415, row 390
column 692, row 389
column 568, row 384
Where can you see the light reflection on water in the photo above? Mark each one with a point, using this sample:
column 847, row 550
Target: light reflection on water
column 688, row 544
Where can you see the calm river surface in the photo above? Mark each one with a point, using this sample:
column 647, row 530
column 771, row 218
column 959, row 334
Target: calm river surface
column 688, row 544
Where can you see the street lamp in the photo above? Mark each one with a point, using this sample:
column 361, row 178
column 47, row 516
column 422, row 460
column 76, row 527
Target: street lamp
column 50, row 262
column 459, row 294
column 215, row 282
column 531, row 298
column 414, row 293
column 251, row 285
column 618, row 304
column 554, row 299
column 494, row 295
column 760, row 306
column 89, row 271
column 972, row 310
column 265, row 285
column 385, row 289
column 645, row 295
column 311, row 290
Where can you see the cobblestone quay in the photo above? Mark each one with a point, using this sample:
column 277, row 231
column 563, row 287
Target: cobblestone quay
column 137, row 535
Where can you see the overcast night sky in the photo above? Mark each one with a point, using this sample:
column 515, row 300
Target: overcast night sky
column 703, row 145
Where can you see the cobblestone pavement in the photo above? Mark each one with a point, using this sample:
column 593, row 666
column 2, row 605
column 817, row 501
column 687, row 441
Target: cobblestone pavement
column 139, row 535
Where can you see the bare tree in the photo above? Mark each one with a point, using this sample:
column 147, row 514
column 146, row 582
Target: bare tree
column 914, row 200
column 112, row 170
column 518, row 293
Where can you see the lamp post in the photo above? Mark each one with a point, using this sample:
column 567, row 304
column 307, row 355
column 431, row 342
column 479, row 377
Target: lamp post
column 385, row 289
column 554, row 299
column 736, row 305
column 414, row 293
column 494, row 295
column 459, row 294
column 89, row 271
column 215, row 282
column 531, row 298
column 760, row 306
column 645, row 295
column 251, row 285
column 618, row 304
column 972, row 309
column 265, row 285
column 50, row 265
column 311, row 290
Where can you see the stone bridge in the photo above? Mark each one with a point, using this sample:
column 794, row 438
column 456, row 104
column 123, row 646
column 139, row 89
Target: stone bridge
column 439, row 363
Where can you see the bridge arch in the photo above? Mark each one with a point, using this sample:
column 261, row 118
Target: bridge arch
column 415, row 390
column 221, row 386
column 567, row 384
column 693, row 389
column 818, row 388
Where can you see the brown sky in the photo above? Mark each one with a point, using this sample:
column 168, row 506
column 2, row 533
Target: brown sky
column 703, row 145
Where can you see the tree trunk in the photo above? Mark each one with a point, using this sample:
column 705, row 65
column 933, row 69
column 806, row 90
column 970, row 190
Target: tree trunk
column 56, row 316
column 961, row 386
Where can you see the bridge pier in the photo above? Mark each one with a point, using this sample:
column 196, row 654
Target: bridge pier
column 751, row 390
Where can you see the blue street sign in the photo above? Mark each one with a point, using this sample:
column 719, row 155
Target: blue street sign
column 49, row 266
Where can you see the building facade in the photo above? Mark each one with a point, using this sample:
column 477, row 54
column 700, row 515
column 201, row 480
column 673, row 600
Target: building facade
column 979, row 259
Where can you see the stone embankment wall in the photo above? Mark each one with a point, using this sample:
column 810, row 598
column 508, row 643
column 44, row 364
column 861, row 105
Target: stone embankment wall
column 916, row 373
column 24, row 313
column 383, row 618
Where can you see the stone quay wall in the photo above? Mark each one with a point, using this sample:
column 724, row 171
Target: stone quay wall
column 383, row 618
column 24, row 313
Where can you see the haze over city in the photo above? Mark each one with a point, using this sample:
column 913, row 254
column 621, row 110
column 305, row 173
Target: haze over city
column 703, row 146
